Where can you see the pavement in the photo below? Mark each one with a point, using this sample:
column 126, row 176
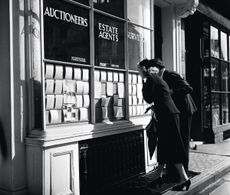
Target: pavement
column 209, row 168
column 213, row 163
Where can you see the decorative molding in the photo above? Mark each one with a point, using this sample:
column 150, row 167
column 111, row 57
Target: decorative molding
column 185, row 9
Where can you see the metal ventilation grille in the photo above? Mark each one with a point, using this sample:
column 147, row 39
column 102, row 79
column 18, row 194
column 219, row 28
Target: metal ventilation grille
column 110, row 160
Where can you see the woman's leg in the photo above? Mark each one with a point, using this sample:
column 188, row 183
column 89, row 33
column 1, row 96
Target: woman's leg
column 159, row 170
column 182, row 173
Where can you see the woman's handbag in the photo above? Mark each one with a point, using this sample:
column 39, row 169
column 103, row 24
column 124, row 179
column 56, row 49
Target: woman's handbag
column 151, row 130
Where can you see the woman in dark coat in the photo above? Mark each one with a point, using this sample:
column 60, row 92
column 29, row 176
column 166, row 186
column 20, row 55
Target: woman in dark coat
column 170, row 146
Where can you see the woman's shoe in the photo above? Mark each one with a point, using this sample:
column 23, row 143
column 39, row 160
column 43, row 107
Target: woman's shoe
column 180, row 187
column 158, row 182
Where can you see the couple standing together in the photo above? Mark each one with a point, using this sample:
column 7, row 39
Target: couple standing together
column 173, row 107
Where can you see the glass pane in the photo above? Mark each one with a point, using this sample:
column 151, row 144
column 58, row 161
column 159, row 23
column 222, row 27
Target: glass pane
column 223, row 46
column 214, row 42
column 229, row 48
column 66, row 32
column 139, row 44
column 109, row 42
column 215, row 78
column 86, row 2
column 115, row 7
column 207, row 110
column 139, row 12
column 224, row 76
column 225, row 111
column 215, row 109
column 110, row 94
column 137, row 105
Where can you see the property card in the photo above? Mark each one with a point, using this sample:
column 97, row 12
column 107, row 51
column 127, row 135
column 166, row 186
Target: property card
column 58, row 86
column 134, row 89
column 77, row 74
column 85, row 88
column 96, row 75
column 121, row 90
column 134, row 79
column 79, row 87
column 58, row 72
column 103, row 76
column 86, row 101
column 55, row 116
column 130, row 100
column 49, row 101
column 79, row 101
column 103, row 89
column 139, row 90
column 115, row 77
column 121, row 77
column 139, row 79
column 49, row 86
column 49, row 71
column 68, row 72
column 85, row 74
column 130, row 78
column 110, row 76
column 83, row 113
column 58, row 101
column 115, row 90
column 109, row 88
column 69, row 86
column 97, row 88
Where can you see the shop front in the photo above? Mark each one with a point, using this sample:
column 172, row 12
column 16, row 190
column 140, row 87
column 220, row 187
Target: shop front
column 207, row 45
column 73, row 113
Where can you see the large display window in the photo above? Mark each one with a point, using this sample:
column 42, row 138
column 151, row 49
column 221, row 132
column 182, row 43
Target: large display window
column 66, row 32
column 139, row 45
column 109, row 42
column 216, row 77
column 89, row 77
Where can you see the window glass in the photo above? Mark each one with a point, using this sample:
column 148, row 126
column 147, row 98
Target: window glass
column 138, row 12
column 215, row 109
column 66, row 32
column 223, row 46
column 225, row 106
column 109, row 42
column 229, row 48
column 224, row 76
column 86, row 2
column 109, row 95
column 215, row 78
column 214, row 44
column 115, row 7
column 139, row 45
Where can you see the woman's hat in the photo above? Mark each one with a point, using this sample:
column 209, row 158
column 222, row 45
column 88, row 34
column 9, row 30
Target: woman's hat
column 155, row 63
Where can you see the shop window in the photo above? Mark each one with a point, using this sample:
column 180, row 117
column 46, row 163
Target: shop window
column 223, row 46
column 67, row 93
column 66, row 32
column 215, row 109
column 224, row 77
column 115, row 7
column 214, row 42
column 109, row 93
column 109, row 42
column 215, row 77
column 139, row 45
column 225, row 108
column 139, row 12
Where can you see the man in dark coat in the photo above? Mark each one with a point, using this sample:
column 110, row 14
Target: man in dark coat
column 180, row 92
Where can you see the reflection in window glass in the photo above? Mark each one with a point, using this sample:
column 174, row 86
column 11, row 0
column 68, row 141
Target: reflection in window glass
column 215, row 78
column 223, row 46
column 115, row 7
column 225, row 106
column 86, row 2
column 109, row 42
column 66, row 32
column 215, row 109
column 139, row 44
column 224, row 76
column 138, row 12
column 214, row 42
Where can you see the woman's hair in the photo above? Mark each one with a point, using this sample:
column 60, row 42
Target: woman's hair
column 143, row 63
column 155, row 63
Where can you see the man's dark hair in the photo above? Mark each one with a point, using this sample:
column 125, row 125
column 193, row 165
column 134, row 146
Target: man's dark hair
column 156, row 63
column 144, row 63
